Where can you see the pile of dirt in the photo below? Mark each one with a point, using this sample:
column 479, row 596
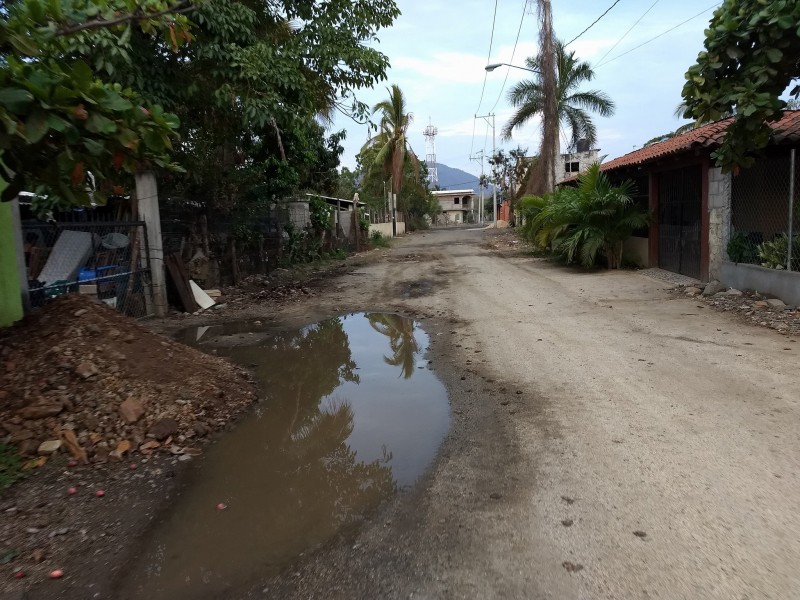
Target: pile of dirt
column 78, row 377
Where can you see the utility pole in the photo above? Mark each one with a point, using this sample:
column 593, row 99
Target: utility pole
column 494, row 151
column 480, row 185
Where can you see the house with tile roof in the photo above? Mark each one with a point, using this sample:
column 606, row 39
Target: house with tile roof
column 698, row 210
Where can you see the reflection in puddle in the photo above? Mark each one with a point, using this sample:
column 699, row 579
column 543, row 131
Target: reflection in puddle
column 350, row 415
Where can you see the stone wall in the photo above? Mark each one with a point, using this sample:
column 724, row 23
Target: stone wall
column 719, row 220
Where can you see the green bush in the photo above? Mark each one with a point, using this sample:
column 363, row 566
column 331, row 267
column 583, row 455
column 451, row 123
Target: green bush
column 741, row 249
column 774, row 254
column 595, row 218
column 378, row 239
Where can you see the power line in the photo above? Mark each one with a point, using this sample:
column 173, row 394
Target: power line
column 485, row 74
column 513, row 52
column 593, row 24
column 659, row 35
column 624, row 35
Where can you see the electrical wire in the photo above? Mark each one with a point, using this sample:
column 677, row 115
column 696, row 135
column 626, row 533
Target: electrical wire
column 485, row 75
column 593, row 24
column 624, row 35
column 513, row 52
column 702, row 12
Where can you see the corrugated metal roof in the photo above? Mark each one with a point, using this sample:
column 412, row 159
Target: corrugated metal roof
column 786, row 129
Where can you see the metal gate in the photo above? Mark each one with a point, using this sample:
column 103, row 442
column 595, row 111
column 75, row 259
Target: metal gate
column 679, row 214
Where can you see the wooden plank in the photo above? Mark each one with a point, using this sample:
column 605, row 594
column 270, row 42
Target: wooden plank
column 180, row 279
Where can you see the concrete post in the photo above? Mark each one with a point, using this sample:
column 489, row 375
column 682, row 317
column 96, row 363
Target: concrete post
column 147, row 202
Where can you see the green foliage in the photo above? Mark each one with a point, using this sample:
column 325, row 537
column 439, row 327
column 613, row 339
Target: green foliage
column 750, row 59
column 593, row 218
column 300, row 246
column 774, row 254
column 363, row 221
column 391, row 148
column 379, row 240
column 572, row 105
column 321, row 214
column 10, row 466
column 61, row 118
column 741, row 249
column 527, row 209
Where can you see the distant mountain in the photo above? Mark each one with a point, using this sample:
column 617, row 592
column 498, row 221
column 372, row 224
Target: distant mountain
column 456, row 179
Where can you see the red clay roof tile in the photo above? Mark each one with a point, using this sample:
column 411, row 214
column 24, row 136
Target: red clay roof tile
column 786, row 129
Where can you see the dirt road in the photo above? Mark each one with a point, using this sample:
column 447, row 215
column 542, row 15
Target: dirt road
column 609, row 441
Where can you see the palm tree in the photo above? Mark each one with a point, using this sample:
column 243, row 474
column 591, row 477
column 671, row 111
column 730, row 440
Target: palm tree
column 572, row 105
column 402, row 342
column 391, row 142
column 579, row 222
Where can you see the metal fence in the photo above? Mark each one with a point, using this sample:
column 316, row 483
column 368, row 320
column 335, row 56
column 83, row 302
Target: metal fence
column 107, row 261
column 219, row 249
column 765, row 212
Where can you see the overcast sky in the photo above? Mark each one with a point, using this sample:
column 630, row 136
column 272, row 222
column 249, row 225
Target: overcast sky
column 438, row 50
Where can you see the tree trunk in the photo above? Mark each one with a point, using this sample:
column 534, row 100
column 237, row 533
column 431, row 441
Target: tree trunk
column 550, row 113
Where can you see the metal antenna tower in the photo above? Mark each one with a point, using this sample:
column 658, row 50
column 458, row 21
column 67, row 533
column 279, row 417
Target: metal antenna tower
column 430, row 156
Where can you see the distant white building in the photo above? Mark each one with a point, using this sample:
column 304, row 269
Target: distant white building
column 576, row 162
column 456, row 205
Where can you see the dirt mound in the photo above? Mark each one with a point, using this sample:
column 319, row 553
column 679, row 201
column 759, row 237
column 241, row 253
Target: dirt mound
column 99, row 385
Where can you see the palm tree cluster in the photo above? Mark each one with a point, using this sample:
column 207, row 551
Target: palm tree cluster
column 581, row 223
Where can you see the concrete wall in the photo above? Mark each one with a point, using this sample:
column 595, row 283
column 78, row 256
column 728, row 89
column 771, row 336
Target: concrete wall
column 449, row 217
column 783, row 284
column 386, row 228
column 637, row 250
column 585, row 160
column 299, row 214
column 10, row 289
column 719, row 220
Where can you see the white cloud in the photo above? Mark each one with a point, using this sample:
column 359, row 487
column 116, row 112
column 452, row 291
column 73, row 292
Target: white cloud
column 452, row 67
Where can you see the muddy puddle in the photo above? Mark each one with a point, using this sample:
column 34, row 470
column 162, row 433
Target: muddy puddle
column 351, row 414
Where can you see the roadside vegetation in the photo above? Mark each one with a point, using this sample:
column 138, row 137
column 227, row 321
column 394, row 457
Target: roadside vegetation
column 10, row 466
column 587, row 224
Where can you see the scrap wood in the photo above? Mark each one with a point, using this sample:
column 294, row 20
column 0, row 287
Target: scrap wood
column 67, row 437
column 180, row 278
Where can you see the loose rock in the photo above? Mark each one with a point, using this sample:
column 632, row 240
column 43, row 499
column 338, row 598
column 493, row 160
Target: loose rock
column 131, row 410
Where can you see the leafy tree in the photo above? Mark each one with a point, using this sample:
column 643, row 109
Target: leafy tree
column 750, row 59
column 59, row 118
column 581, row 222
column 572, row 105
column 252, row 89
column 347, row 183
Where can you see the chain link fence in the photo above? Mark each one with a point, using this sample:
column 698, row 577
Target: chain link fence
column 105, row 260
column 765, row 212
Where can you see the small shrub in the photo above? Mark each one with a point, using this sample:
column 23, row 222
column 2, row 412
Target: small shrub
column 378, row 239
column 338, row 254
column 10, row 466
column 773, row 254
column 741, row 249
